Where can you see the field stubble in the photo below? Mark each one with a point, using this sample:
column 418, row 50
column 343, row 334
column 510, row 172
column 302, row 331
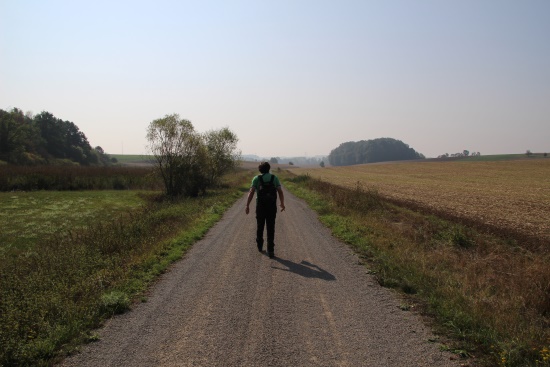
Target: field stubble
column 512, row 197
column 487, row 288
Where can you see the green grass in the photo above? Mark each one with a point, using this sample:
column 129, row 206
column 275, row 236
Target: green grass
column 29, row 217
column 62, row 286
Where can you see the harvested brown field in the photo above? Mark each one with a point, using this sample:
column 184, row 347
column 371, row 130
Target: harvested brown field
column 508, row 196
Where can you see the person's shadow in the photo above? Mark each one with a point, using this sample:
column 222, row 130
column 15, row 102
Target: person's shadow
column 305, row 269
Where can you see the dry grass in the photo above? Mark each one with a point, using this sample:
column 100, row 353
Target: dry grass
column 509, row 196
column 493, row 284
column 488, row 290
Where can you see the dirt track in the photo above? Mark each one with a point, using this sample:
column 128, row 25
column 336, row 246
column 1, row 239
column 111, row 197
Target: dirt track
column 225, row 304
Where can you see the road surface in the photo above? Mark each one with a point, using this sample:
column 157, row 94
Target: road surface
column 226, row 304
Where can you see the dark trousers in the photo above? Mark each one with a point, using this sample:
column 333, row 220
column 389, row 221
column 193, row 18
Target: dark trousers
column 265, row 215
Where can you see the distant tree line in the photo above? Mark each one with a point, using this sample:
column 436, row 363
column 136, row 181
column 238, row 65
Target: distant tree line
column 44, row 139
column 372, row 151
column 465, row 153
column 302, row 161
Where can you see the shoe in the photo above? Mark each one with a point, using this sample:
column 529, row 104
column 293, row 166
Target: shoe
column 271, row 255
column 260, row 249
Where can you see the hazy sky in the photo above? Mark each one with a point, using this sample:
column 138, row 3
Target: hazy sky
column 290, row 78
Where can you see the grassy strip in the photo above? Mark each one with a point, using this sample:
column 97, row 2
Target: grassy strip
column 491, row 296
column 55, row 294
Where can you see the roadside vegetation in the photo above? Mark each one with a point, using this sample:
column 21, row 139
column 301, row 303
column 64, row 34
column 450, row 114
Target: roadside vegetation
column 485, row 291
column 60, row 284
column 80, row 252
column 190, row 162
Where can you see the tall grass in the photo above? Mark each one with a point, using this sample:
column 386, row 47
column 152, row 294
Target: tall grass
column 55, row 293
column 23, row 178
column 489, row 293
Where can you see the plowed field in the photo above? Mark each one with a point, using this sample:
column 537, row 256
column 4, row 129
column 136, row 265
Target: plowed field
column 510, row 195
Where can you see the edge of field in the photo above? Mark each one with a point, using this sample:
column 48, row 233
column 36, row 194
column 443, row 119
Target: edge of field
column 486, row 294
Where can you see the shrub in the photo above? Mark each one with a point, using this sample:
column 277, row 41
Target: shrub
column 115, row 302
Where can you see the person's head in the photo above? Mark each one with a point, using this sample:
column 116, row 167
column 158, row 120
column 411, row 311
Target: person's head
column 264, row 167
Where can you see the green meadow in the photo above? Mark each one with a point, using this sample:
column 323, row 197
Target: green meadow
column 71, row 259
column 29, row 217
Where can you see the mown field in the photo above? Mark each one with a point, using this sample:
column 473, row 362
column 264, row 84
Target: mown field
column 509, row 196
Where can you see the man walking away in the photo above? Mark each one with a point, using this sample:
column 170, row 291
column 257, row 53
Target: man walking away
column 268, row 186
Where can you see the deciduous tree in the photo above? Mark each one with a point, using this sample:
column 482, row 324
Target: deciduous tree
column 370, row 151
column 188, row 161
column 223, row 155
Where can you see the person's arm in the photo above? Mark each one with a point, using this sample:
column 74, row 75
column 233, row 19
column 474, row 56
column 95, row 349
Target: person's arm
column 281, row 198
column 249, row 199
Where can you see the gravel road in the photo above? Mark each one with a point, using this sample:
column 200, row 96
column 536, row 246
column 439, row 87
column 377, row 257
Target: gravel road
column 226, row 304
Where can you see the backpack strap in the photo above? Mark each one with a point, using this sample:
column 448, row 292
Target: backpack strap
column 261, row 177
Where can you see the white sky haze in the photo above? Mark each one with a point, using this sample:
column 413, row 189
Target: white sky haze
column 290, row 78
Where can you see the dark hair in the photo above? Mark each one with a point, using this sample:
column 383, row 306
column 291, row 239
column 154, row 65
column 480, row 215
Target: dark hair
column 264, row 167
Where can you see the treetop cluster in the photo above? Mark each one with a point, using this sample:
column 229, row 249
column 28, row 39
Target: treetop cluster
column 44, row 139
column 190, row 162
column 372, row 151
